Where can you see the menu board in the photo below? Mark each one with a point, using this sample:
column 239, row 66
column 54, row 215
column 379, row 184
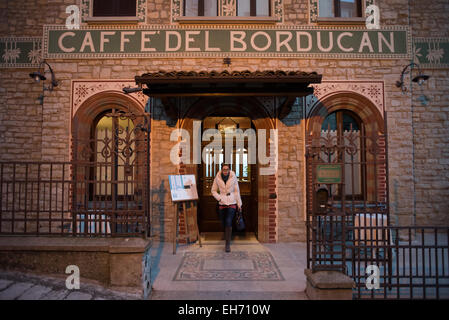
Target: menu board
column 183, row 187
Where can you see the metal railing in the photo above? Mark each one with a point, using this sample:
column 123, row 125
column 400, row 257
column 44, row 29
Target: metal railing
column 406, row 262
column 385, row 262
column 73, row 199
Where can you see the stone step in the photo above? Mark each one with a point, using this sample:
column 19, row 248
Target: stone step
column 225, row 295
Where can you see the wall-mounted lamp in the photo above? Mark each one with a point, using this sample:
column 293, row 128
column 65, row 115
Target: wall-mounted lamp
column 39, row 75
column 419, row 79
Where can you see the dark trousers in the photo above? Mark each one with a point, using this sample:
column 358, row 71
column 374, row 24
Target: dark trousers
column 226, row 216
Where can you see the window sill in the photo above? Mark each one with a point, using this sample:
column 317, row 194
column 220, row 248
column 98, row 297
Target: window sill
column 112, row 19
column 342, row 21
column 226, row 19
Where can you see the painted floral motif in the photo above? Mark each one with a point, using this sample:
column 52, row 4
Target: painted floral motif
column 416, row 54
column 175, row 8
column 35, row 55
column 434, row 52
column 11, row 54
column 278, row 10
column 228, row 7
column 141, row 10
column 84, row 9
column 313, row 10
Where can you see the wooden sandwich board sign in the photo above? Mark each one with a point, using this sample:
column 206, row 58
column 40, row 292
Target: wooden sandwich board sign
column 183, row 189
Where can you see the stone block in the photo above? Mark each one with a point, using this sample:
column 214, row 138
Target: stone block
column 328, row 285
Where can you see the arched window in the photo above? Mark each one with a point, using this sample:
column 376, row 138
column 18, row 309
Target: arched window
column 344, row 129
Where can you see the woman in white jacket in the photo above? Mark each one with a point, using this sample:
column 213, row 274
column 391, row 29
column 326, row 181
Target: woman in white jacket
column 228, row 199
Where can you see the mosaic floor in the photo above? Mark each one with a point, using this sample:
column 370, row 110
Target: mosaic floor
column 233, row 266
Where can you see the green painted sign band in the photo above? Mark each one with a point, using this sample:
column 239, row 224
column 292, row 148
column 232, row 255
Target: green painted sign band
column 328, row 173
column 226, row 41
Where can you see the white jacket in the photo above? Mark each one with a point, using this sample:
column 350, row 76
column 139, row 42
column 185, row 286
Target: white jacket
column 231, row 187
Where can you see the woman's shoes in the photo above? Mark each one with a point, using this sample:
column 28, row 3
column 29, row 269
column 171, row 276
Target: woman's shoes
column 228, row 232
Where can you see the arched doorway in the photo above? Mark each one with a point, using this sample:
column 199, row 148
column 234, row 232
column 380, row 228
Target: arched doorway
column 243, row 113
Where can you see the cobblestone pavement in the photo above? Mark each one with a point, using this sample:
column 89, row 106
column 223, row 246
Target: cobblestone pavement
column 21, row 286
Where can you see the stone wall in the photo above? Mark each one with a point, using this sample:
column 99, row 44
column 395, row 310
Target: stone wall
column 31, row 132
column 431, row 122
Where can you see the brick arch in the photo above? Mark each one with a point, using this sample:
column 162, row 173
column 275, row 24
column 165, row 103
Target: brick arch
column 267, row 184
column 86, row 114
column 357, row 103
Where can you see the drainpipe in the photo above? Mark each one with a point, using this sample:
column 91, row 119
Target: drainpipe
column 413, row 123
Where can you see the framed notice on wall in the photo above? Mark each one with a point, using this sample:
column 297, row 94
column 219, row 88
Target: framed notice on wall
column 183, row 187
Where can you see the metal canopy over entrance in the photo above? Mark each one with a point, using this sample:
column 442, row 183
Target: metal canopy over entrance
column 236, row 83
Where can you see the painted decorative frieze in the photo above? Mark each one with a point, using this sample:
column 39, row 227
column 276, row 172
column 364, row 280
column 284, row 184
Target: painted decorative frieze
column 86, row 8
column 314, row 9
column 372, row 90
column 431, row 53
column 84, row 89
column 20, row 52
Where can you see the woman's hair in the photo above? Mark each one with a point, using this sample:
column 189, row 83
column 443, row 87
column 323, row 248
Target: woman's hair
column 225, row 165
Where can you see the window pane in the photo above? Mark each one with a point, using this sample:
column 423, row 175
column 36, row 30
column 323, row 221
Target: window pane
column 348, row 120
column 331, row 120
column 243, row 8
column 191, row 8
column 210, row 8
column 326, row 8
column 262, row 8
column 114, row 8
column 348, row 8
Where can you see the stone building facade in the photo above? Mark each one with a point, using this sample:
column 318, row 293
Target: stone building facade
column 418, row 130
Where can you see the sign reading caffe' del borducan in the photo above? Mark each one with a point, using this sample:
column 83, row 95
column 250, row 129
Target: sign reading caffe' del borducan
column 232, row 41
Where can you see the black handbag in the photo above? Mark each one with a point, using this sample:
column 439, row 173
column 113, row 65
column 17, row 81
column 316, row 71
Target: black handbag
column 239, row 222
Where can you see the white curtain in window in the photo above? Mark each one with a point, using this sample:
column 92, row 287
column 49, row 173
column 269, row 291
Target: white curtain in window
column 262, row 8
column 243, row 8
column 210, row 8
column 326, row 8
column 191, row 8
column 348, row 8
